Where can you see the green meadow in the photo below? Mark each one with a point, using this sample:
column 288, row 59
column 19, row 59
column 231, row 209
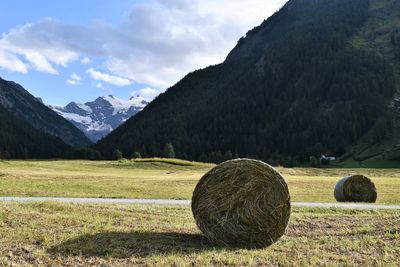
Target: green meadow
column 166, row 179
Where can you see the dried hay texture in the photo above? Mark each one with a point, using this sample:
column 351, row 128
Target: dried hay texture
column 242, row 203
column 356, row 188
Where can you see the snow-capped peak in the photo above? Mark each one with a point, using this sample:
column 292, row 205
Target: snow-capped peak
column 98, row 118
column 120, row 105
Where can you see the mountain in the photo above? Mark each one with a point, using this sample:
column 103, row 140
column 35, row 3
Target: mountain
column 98, row 118
column 27, row 109
column 18, row 139
column 319, row 76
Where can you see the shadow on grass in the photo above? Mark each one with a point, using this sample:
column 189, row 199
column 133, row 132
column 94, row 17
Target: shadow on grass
column 124, row 245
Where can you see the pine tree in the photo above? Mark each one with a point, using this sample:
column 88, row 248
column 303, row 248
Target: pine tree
column 136, row 155
column 228, row 155
column 203, row 158
column 169, row 151
column 117, row 155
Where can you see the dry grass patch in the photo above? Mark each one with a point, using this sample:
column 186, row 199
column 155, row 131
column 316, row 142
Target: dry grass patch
column 56, row 234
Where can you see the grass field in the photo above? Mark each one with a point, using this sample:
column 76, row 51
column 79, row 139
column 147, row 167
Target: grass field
column 55, row 234
column 169, row 179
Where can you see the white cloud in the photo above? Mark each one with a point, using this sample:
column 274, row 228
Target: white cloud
column 99, row 85
column 42, row 45
column 157, row 43
column 72, row 82
column 147, row 93
column 85, row 60
column 11, row 62
column 74, row 79
column 40, row 62
column 108, row 78
column 192, row 34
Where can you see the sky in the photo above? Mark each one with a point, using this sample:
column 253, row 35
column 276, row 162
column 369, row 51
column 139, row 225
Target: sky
column 78, row 50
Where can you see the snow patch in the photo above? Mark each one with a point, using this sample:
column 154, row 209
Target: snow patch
column 84, row 107
column 120, row 105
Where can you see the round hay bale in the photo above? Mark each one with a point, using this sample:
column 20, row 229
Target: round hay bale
column 356, row 188
column 242, row 203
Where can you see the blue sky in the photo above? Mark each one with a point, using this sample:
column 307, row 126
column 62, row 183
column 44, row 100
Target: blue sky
column 65, row 51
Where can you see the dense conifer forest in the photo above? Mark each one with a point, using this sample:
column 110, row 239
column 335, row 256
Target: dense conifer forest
column 292, row 88
column 20, row 140
column 29, row 129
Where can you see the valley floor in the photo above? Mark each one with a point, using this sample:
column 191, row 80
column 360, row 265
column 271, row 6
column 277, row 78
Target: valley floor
column 57, row 234
column 70, row 234
column 165, row 179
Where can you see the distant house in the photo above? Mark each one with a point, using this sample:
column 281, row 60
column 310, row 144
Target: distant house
column 326, row 159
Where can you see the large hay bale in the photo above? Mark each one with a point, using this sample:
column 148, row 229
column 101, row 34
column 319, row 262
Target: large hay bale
column 242, row 203
column 356, row 188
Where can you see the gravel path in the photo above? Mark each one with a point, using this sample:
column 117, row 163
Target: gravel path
column 186, row 202
column 167, row 202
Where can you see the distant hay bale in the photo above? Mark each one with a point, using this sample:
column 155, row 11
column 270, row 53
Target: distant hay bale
column 356, row 188
column 242, row 203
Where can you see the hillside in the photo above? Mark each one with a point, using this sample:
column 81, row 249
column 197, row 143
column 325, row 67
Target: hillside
column 25, row 107
column 381, row 35
column 316, row 77
column 18, row 139
column 100, row 117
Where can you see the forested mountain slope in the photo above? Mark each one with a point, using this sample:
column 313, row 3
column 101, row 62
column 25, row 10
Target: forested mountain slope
column 18, row 139
column 25, row 107
column 314, row 78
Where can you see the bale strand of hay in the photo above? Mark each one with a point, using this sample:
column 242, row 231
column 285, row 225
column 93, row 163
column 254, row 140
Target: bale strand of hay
column 242, row 203
column 356, row 188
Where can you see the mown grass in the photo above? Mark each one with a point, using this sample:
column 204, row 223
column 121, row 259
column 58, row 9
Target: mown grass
column 177, row 162
column 372, row 163
column 171, row 179
column 56, row 234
